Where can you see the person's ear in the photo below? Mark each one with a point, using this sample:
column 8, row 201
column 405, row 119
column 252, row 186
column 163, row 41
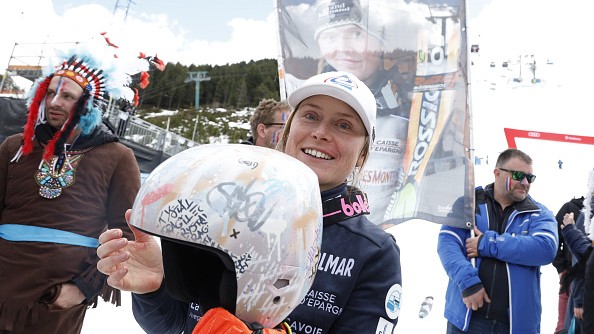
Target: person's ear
column 496, row 173
column 261, row 129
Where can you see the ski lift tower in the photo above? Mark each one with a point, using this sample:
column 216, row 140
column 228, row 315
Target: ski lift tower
column 127, row 8
column 24, row 69
column 197, row 77
column 442, row 13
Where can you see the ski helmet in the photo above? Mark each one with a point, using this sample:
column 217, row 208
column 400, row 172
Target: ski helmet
column 240, row 228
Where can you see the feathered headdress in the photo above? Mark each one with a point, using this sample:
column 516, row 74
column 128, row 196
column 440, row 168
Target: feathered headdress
column 100, row 81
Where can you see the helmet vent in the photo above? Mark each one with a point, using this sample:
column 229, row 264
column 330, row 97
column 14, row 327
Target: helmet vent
column 281, row 283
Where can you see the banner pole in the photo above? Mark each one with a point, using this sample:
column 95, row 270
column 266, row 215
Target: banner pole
column 473, row 260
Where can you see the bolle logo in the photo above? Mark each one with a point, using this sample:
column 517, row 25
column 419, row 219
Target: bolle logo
column 357, row 207
column 533, row 134
column 343, row 81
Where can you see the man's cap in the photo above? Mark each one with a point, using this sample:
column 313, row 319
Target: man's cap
column 345, row 87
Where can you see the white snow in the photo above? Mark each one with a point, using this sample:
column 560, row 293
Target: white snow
column 162, row 113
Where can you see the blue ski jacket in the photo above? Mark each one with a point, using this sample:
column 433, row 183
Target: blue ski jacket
column 356, row 289
column 529, row 241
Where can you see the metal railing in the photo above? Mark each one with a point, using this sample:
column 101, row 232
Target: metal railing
column 144, row 133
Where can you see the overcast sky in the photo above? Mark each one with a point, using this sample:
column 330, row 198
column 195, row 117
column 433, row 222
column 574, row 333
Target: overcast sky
column 230, row 31
column 198, row 32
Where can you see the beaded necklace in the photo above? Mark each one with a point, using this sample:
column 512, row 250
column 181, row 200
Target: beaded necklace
column 59, row 173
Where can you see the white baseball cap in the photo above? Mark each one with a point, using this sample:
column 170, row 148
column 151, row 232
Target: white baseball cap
column 343, row 86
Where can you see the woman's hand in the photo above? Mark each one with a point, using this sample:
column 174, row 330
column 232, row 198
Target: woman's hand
column 135, row 266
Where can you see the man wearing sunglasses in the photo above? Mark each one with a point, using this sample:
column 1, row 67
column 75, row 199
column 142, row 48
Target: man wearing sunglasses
column 499, row 292
column 267, row 123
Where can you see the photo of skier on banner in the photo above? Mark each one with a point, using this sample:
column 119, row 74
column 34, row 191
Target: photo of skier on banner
column 390, row 46
column 349, row 41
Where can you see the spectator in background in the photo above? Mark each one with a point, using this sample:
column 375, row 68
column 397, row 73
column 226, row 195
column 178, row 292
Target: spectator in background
column 267, row 123
column 127, row 109
column 588, row 315
column 587, row 321
column 514, row 236
column 562, row 261
column 63, row 181
column 580, row 246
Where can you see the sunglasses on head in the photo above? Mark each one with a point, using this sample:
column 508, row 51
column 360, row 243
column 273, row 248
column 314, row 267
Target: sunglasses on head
column 519, row 176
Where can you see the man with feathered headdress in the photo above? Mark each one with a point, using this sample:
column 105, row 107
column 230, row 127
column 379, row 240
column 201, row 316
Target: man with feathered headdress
column 63, row 181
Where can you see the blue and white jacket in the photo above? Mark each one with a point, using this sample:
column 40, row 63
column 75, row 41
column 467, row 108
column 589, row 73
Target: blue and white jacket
column 529, row 241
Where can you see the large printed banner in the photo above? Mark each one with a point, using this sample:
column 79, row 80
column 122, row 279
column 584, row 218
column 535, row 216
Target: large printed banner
column 413, row 57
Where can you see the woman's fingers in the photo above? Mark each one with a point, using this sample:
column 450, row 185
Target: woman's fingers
column 116, row 279
column 110, row 246
column 109, row 264
column 110, row 235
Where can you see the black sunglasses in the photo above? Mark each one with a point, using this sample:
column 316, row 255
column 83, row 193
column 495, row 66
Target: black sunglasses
column 269, row 124
column 519, row 176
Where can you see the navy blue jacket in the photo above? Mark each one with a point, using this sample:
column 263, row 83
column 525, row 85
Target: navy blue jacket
column 562, row 261
column 356, row 289
column 580, row 247
column 588, row 320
